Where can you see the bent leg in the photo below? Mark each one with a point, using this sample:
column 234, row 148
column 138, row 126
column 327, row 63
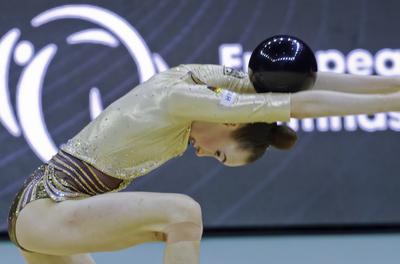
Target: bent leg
column 182, row 252
column 183, row 244
column 108, row 222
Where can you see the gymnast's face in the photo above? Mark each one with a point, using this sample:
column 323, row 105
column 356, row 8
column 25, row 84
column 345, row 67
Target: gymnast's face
column 214, row 140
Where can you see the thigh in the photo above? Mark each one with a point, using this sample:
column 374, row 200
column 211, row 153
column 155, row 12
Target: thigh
column 38, row 258
column 104, row 222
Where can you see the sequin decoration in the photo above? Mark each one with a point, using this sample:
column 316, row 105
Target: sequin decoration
column 114, row 167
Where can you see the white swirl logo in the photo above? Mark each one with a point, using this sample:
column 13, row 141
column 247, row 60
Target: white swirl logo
column 115, row 30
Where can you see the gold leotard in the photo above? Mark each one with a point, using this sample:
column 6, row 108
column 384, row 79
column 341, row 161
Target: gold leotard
column 63, row 177
column 145, row 128
column 151, row 123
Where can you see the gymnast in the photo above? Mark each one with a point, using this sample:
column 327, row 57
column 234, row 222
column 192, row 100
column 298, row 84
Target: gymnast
column 70, row 206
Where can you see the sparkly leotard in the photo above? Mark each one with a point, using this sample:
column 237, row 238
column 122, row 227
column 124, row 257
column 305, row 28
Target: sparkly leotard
column 63, row 177
column 145, row 128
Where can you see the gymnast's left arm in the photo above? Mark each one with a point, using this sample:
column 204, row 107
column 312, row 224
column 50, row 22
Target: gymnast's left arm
column 198, row 102
column 361, row 84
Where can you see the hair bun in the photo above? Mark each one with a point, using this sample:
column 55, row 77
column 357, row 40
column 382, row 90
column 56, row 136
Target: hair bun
column 282, row 136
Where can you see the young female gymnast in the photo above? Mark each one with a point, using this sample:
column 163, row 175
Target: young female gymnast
column 69, row 207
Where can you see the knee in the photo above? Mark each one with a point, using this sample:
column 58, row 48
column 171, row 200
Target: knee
column 185, row 209
column 185, row 222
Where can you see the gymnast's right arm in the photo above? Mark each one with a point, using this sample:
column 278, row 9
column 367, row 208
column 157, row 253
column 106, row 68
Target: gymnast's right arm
column 359, row 84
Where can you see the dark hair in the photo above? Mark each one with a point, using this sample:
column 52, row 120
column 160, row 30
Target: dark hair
column 257, row 137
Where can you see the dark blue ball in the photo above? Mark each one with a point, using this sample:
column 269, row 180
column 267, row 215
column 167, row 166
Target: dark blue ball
column 283, row 64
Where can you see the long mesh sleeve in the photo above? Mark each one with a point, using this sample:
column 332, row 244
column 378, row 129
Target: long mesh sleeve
column 204, row 103
column 221, row 76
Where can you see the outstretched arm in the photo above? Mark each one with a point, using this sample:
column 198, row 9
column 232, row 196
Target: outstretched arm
column 212, row 104
column 328, row 103
column 350, row 83
column 205, row 103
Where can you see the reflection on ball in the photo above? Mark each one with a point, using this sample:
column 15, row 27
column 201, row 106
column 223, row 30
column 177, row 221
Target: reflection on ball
column 283, row 64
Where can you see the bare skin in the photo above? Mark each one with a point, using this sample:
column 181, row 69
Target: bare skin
column 65, row 232
column 332, row 95
column 214, row 140
column 109, row 222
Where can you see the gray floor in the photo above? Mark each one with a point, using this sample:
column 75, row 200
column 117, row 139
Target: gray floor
column 338, row 249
